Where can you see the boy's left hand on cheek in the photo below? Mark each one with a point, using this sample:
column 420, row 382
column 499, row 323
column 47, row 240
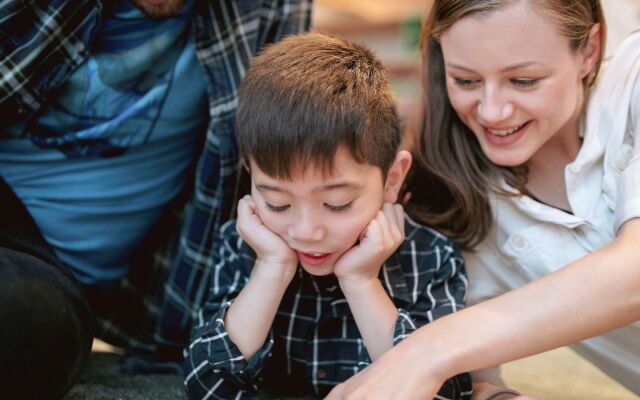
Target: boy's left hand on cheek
column 380, row 239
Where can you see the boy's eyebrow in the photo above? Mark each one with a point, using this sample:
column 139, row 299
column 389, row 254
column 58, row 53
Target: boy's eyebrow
column 505, row 69
column 332, row 186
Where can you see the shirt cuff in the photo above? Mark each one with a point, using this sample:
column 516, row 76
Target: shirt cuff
column 404, row 326
column 225, row 355
column 628, row 196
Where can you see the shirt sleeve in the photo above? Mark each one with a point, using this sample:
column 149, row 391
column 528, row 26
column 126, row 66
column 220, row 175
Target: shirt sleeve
column 443, row 292
column 284, row 18
column 214, row 366
column 40, row 45
column 628, row 203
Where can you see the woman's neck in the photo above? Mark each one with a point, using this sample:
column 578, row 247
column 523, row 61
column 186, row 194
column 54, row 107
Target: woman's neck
column 546, row 178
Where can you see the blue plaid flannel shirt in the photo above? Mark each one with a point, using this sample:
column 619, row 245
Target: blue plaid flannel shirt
column 42, row 42
column 314, row 342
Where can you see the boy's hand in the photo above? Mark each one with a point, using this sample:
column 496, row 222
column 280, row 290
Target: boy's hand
column 379, row 240
column 271, row 250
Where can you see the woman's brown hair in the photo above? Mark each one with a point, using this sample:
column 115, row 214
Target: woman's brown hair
column 451, row 178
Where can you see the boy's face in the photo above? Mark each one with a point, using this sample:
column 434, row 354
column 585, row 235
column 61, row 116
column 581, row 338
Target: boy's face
column 321, row 216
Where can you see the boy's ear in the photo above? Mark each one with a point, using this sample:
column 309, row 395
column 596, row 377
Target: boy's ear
column 246, row 166
column 395, row 176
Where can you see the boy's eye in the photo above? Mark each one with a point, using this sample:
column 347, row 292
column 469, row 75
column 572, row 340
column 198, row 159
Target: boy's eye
column 524, row 83
column 465, row 83
column 339, row 208
column 274, row 208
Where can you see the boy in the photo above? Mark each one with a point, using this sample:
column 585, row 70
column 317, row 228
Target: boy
column 322, row 272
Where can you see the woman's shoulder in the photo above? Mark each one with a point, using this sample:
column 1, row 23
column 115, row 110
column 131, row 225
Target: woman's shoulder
column 622, row 62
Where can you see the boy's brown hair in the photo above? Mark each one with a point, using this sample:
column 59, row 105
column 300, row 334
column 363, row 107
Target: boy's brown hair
column 309, row 94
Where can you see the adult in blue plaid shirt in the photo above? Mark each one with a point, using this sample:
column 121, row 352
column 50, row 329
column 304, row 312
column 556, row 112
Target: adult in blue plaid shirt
column 322, row 272
column 118, row 164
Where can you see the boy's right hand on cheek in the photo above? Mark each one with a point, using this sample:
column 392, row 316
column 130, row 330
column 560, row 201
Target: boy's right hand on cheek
column 270, row 248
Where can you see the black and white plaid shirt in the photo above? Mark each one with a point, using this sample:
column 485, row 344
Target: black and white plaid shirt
column 314, row 342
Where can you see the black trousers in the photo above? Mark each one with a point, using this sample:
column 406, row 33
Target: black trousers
column 46, row 324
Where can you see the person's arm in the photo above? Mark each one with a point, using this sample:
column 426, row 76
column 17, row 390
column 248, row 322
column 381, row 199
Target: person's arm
column 213, row 363
column 230, row 339
column 595, row 294
column 357, row 271
column 251, row 315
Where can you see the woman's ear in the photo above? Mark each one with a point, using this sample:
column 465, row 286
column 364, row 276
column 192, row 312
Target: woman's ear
column 395, row 176
column 591, row 53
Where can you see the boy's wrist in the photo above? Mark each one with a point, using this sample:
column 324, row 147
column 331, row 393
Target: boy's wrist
column 357, row 284
column 274, row 273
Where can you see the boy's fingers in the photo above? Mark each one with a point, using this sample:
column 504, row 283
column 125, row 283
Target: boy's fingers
column 399, row 211
column 395, row 216
column 385, row 224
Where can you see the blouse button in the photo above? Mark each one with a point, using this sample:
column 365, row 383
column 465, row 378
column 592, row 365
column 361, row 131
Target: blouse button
column 321, row 374
column 518, row 242
column 622, row 160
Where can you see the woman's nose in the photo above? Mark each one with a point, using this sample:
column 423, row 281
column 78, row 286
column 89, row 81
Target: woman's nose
column 494, row 108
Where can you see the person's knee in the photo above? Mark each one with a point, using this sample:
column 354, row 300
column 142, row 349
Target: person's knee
column 46, row 328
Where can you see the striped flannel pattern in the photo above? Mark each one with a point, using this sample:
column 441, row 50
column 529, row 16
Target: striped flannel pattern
column 314, row 342
column 42, row 42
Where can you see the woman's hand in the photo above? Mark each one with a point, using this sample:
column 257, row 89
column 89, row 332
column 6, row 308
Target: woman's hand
column 380, row 239
column 400, row 374
column 271, row 250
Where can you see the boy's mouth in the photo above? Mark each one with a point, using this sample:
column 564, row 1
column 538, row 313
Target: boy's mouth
column 313, row 258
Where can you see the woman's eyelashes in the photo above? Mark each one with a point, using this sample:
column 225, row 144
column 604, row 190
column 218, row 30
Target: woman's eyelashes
column 524, row 83
column 465, row 83
column 517, row 82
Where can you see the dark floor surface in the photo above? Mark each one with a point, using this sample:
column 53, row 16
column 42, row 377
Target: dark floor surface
column 102, row 380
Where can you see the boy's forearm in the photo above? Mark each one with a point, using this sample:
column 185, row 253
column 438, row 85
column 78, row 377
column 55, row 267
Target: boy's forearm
column 374, row 313
column 251, row 315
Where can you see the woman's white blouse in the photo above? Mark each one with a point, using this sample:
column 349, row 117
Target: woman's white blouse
column 529, row 239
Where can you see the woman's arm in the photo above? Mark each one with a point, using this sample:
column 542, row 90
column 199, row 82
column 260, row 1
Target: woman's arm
column 593, row 295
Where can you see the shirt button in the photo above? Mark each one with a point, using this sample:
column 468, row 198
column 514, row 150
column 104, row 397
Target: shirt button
column 518, row 242
column 575, row 168
column 623, row 158
column 22, row 110
column 321, row 374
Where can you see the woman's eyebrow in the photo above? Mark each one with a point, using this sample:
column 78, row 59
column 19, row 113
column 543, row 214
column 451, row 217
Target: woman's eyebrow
column 505, row 69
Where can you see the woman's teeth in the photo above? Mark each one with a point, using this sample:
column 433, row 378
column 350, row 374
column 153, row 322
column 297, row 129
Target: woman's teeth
column 504, row 132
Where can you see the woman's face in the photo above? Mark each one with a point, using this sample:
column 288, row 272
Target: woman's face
column 514, row 81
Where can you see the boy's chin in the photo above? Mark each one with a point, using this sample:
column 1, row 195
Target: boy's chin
column 318, row 270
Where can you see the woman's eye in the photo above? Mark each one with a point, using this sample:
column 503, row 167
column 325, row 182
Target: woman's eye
column 277, row 209
column 524, row 83
column 465, row 83
column 339, row 208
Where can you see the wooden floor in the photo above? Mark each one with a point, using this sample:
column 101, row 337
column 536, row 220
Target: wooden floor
column 562, row 375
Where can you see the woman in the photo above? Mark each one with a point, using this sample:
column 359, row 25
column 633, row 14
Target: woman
column 544, row 188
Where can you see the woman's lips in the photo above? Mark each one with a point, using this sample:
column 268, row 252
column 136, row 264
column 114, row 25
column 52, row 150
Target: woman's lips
column 506, row 139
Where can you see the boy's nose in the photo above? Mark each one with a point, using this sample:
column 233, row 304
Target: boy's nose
column 306, row 230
